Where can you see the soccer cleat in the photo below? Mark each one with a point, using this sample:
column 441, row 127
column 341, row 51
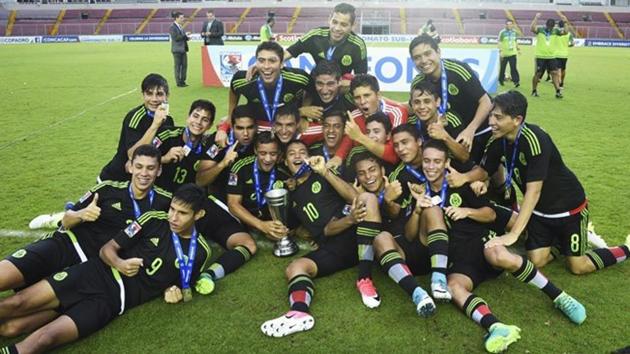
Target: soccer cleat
column 559, row 94
column 501, row 336
column 440, row 291
column 369, row 296
column 46, row 221
column 289, row 323
column 205, row 284
column 570, row 307
column 534, row 93
column 425, row 307
column 517, row 84
column 595, row 240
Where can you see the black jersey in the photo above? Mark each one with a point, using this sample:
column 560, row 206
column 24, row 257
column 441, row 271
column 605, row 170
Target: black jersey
column 537, row 159
column 350, row 54
column 135, row 124
column 176, row 174
column 403, row 174
column 217, row 154
column 242, row 182
column 341, row 103
column 464, row 90
column 295, row 82
column 117, row 210
column 149, row 238
column 314, row 203
column 320, row 149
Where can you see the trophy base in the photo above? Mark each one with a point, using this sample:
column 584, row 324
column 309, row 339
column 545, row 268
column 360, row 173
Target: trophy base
column 285, row 248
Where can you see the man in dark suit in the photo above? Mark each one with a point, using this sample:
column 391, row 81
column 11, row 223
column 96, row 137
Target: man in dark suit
column 179, row 48
column 212, row 30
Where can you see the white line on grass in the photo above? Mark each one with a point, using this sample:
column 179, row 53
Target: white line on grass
column 64, row 120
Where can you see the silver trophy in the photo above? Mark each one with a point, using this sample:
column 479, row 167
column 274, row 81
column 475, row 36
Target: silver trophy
column 278, row 202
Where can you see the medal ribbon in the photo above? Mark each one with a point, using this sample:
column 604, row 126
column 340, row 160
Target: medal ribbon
column 270, row 111
column 260, row 200
column 189, row 143
column 442, row 191
column 510, row 168
column 136, row 208
column 185, row 266
column 444, row 104
column 415, row 173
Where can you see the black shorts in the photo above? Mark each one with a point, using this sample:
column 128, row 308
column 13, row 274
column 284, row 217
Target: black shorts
column 88, row 294
column 44, row 257
column 416, row 255
column 465, row 256
column 562, row 63
column 218, row 224
column 548, row 65
column 499, row 224
column 335, row 254
column 570, row 233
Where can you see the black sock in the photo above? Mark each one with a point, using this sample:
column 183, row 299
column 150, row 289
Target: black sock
column 605, row 257
column 366, row 232
column 528, row 273
column 477, row 309
column 301, row 290
column 9, row 349
column 438, row 250
column 229, row 261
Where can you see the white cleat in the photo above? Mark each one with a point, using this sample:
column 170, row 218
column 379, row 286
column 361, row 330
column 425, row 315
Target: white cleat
column 368, row 292
column 440, row 291
column 46, row 221
column 426, row 307
column 595, row 240
column 289, row 323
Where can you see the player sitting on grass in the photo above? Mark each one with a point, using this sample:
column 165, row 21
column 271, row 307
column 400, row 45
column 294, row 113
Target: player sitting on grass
column 159, row 250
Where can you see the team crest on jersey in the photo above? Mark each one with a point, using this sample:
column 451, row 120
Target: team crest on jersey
column 288, row 97
column 455, row 200
column 19, row 253
column 452, row 89
column 60, row 276
column 347, row 209
column 521, row 158
column 277, row 184
column 233, row 179
column 133, row 229
column 212, row 151
column 117, row 206
column 346, row 60
column 85, row 196
column 156, row 142
column 316, row 187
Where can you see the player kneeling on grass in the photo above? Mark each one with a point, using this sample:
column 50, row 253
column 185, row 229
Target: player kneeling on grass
column 319, row 203
column 161, row 250
column 472, row 259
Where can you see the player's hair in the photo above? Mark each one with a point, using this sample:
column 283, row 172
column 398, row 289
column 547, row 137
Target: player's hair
column 426, row 86
column 288, row 109
column 296, row 141
column 326, row 67
column 512, row 103
column 561, row 24
column 149, row 151
column 176, row 14
column 409, row 128
column 346, row 9
column 191, row 195
column 271, row 19
column 266, row 138
column 335, row 113
column 382, row 118
column 508, row 21
column 204, row 105
column 365, row 155
column 550, row 23
column 435, row 144
column 364, row 80
column 154, row 81
column 242, row 111
column 272, row 46
column 423, row 39
column 210, row 11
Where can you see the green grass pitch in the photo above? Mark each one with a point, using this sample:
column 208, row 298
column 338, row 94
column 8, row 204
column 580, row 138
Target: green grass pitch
column 61, row 110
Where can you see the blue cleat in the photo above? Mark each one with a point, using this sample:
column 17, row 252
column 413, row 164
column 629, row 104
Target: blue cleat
column 571, row 308
column 425, row 307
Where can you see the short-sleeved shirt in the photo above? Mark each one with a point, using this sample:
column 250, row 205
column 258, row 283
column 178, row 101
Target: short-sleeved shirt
column 562, row 44
column 176, row 174
column 507, row 42
column 149, row 238
column 135, row 124
column 217, row 154
column 117, row 211
column 464, row 90
column 537, row 159
column 341, row 103
column 350, row 54
column 242, row 182
column 545, row 42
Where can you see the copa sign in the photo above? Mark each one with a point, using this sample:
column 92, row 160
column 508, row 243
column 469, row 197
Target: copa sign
column 393, row 67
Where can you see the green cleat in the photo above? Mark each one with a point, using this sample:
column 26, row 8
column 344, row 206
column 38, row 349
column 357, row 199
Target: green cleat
column 501, row 336
column 571, row 308
column 205, row 284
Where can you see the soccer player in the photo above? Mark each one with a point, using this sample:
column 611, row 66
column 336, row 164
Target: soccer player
column 554, row 205
column 272, row 86
column 564, row 40
column 335, row 43
column 288, row 126
column 470, row 263
column 93, row 220
column 408, row 147
column 214, row 172
column 327, row 95
column 508, row 50
column 92, row 294
column 151, row 115
column 266, row 32
column 460, row 92
column 544, row 53
column 318, row 203
column 249, row 180
column 183, row 148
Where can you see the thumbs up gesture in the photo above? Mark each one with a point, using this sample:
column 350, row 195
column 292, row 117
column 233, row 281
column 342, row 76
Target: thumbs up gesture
column 91, row 212
column 393, row 190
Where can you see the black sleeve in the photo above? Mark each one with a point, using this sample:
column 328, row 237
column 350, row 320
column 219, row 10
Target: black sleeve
column 538, row 164
column 238, row 82
column 492, row 157
column 87, row 198
column 300, row 46
column 129, row 236
column 361, row 66
column 236, row 182
column 472, row 200
column 473, row 88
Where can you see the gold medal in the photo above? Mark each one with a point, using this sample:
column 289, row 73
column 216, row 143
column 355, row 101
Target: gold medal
column 187, row 294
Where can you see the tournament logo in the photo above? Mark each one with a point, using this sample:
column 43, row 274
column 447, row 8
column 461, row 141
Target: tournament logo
column 213, row 151
column 85, row 196
column 316, row 187
column 453, row 90
column 233, row 179
column 521, row 158
column 133, row 229
column 455, row 200
column 346, row 60
column 157, row 142
column 288, row 97
column 230, row 63
column 19, row 253
column 60, row 276
column 347, row 209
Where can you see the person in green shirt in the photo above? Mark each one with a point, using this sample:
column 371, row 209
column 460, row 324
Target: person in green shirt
column 545, row 55
column 563, row 41
column 508, row 49
column 265, row 31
